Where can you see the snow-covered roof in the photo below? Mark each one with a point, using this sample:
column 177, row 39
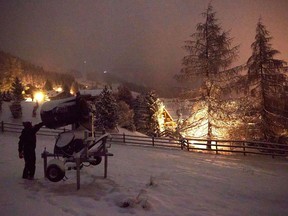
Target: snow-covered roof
column 176, row 106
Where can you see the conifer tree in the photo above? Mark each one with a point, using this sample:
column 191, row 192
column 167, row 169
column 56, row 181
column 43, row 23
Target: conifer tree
column 124, row 94
column 210, row 54
column 140, row 113
column 106, row 114
column 266, row 82
column 1, row 99
column 15, row 107
column 147, row 113
column 154, row 111
column 75, row 87
column 48, row 85
column 126, row 116
column 17, row 89
column 12, row 69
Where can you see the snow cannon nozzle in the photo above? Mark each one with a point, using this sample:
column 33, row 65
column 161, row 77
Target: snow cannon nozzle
column 62, row 112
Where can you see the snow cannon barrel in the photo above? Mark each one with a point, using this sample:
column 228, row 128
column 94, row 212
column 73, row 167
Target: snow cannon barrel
column 62, row 112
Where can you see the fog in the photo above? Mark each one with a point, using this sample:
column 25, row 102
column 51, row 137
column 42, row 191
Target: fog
column 140, row 41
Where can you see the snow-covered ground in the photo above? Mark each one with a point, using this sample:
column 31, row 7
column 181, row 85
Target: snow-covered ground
column 27, row 108
column 146, row 181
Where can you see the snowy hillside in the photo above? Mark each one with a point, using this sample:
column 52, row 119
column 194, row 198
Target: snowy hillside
column 146, row 181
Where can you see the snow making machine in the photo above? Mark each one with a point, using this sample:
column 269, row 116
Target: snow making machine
column 73, row 148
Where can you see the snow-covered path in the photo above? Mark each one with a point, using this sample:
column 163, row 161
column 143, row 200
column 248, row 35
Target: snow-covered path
column 147, row 181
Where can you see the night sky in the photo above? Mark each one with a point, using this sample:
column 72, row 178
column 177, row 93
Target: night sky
column 137, row 40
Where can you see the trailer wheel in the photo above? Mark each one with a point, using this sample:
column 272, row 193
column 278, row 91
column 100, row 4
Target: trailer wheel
column 55, row 171
column 97, row 161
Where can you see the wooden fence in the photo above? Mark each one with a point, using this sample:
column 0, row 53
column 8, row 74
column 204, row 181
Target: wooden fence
column 200, row 145
column 189, row 144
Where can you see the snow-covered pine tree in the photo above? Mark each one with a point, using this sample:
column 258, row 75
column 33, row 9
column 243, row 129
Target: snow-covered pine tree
column 267, row 83
column 1, row 99
column 48, row 85
column 11, row 69
column 124, row 94
column 126, row 116
column 210, row 54
column 140, row 113
column 154, row 112
column 17, row 89
column 147, row 109
column 106, row 110
column 75, row 87
column 15, row 107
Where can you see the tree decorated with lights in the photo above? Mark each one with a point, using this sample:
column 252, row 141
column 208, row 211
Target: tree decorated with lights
column 267, row 87
column 210, row 54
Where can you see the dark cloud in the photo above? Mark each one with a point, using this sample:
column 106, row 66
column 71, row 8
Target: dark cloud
column 139, row 40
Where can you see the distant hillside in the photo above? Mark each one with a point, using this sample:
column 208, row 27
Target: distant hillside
column 12, row 66
column 110, row 79
column 168, row 92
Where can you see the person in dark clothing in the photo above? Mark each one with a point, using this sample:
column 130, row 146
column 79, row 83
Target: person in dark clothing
column 26, row 148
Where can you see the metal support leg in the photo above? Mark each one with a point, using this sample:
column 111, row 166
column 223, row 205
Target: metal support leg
column 44, row 155
column 105, row 166
column 78, row 172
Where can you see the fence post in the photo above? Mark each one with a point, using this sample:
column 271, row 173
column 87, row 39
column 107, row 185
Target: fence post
column 216, row 147
column 184, row 143
column 270, row 146
column 181, row 141
column 244, row 149
column 152, row 140
column 44, row 156
column 124, row 139
column 2, row 126
column 78, row 162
